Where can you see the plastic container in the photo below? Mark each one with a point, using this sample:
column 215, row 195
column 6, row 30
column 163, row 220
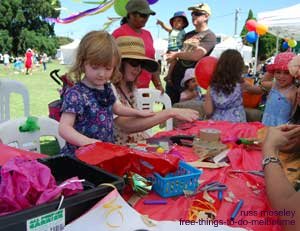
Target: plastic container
column 63, row 168
column 173, row 184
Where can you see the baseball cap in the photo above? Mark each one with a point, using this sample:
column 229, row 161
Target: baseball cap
column 201, row 7
column 140, row 6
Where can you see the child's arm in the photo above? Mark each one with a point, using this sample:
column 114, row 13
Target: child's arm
column 164, row 26
column 69, row 134
column 264, row 86
column 292, row 97
column 183, row 96
column 134, row 124
column 208, row 104
column 121, row 110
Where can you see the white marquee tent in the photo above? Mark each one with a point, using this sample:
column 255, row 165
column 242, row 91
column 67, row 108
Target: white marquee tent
column 283, row 23
column 233, row 43
column 68, row 52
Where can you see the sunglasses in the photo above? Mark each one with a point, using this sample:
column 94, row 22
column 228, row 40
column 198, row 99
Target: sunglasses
column 133, row 62
column 141, row 15
column 197, row 13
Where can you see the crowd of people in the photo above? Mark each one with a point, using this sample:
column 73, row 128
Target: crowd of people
column 31, row 60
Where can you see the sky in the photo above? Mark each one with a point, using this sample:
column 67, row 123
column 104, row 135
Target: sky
column 222, row 20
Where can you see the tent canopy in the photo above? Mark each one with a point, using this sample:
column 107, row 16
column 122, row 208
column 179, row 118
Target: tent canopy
column 236, row 44
column 68, row 52
column 284, row 23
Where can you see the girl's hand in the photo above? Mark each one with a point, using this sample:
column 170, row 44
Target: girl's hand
column 145, row 113
column 184, row 114
column 280, row 136
column 92, row 141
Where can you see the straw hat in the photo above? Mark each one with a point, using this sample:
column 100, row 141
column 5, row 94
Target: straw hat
column 281, row 62
column 133, row 48
column 189, row 74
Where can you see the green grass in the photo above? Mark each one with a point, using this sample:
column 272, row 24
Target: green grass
column 42, row 90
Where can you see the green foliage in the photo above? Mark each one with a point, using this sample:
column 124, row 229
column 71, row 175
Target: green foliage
column 266, row 46
column 22, row 26
column 5, row 41
column 64, row 40
column 244, row 30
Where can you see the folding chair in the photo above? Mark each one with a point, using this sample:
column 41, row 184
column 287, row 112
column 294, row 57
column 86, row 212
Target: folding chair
column 10, row 134
column 8, row 86
column 147, row 98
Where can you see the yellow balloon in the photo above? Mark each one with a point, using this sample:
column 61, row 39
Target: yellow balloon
column 292, row 43
column 261, row 29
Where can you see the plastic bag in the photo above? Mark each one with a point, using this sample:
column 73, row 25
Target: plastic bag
column 25, row 183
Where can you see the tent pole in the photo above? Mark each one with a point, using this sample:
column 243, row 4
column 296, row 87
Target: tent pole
column 277, row 44
column 256, row 55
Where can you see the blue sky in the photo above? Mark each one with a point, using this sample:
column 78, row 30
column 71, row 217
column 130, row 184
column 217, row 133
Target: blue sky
column 221, row 21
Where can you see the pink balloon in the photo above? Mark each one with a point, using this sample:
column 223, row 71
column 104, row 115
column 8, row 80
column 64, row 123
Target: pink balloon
column 251, row 25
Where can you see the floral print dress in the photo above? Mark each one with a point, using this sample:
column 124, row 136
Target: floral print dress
column 228, row 107
column 93, row 110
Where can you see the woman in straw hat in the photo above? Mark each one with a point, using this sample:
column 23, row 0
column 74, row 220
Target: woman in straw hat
column 138, row 13
column 133, row 62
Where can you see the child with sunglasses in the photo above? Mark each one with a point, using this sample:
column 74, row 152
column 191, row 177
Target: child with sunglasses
column 88, row 106
column 196, row 44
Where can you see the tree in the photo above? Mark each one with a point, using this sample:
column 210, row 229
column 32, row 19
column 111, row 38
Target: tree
column 23, row 26
column 64, row 40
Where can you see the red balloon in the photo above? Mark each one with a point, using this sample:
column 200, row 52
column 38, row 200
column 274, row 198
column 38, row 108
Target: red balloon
column 204, row 70
column 251, row 25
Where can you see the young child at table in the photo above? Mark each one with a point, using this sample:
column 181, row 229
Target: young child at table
column 223, row 100
column 88, row 106
column 190, row 86
column 281, row 101
column 176, row 34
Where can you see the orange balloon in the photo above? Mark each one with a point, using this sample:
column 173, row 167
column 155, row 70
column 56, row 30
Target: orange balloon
column 261, row 29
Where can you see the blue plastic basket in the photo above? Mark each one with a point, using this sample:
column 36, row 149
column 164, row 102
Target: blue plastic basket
column 185, row 178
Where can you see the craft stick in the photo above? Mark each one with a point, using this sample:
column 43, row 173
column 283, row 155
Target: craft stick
column 237, row 209
column 155, row 202
column 220, row 195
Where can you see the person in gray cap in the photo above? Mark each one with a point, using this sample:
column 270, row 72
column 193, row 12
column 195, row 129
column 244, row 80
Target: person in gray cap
column 197, row 44
column 138, row 12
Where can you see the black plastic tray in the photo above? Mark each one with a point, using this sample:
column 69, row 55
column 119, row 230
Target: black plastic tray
column 62, row 168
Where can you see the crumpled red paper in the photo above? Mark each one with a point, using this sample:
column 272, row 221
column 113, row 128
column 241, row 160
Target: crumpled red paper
column 119, row 159
column 26, row 183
